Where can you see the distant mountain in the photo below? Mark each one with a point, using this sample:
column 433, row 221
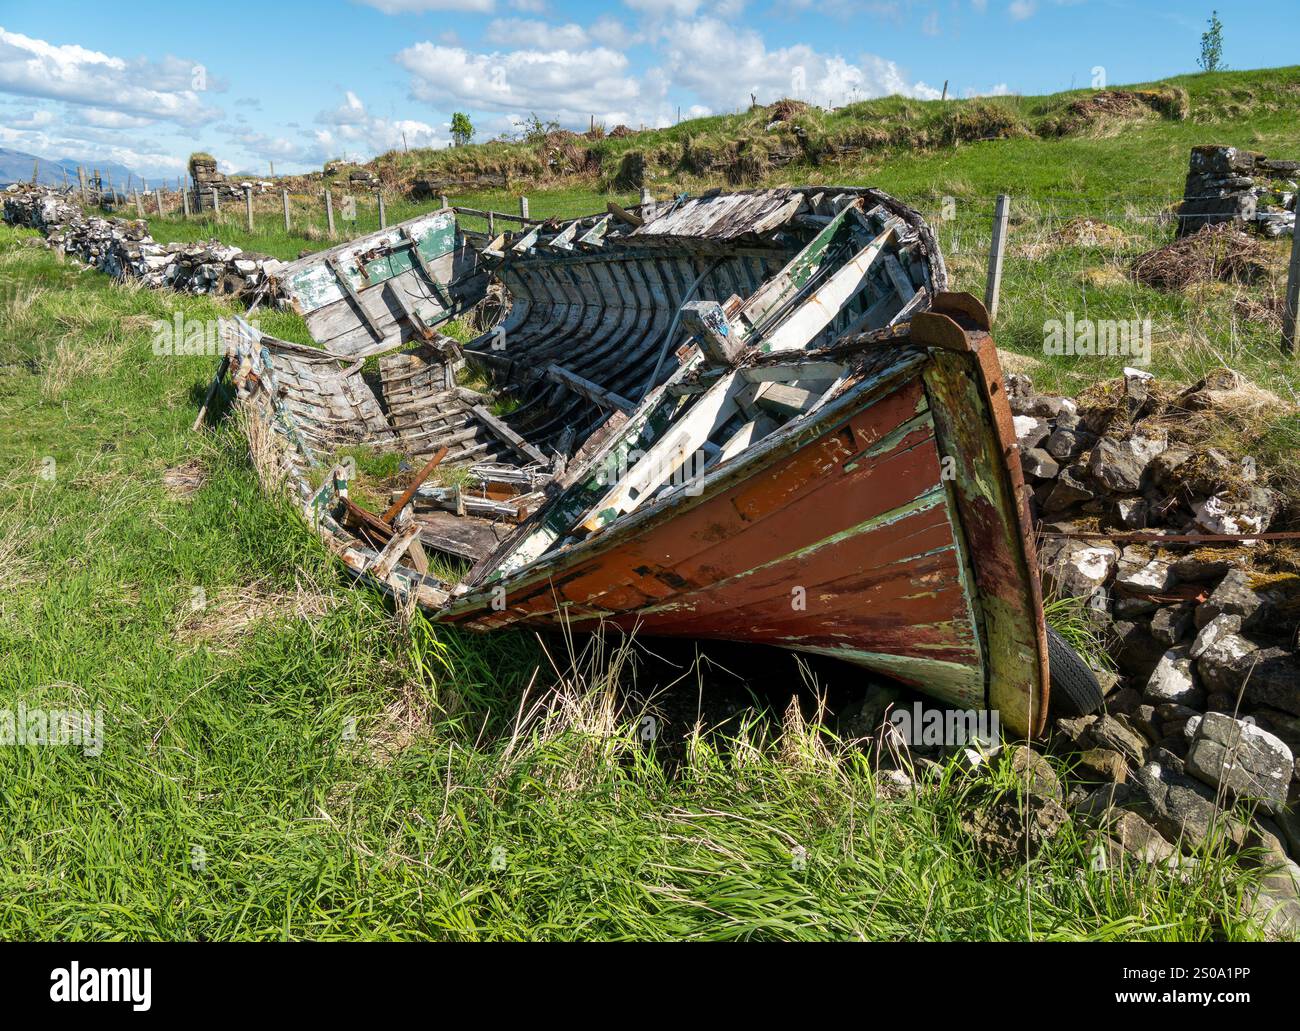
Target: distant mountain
column 16, row 167
column 120, row 173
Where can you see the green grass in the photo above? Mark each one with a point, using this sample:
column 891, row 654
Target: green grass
column 285, row 757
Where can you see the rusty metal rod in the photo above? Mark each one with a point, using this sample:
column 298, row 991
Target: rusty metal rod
column 409, row 493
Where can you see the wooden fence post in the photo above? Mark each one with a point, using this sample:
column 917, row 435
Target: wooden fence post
column 523, row 207
column 383, row 215
column 329, row 211
column 492, row 225
column 996, row 250
column 284, row 196
column 1292, row 303
column 139, row 208
column 81, row 178
column 443, row 197
column 216, row 201
column 248, row 206
column 158, row 193
column 185, row 203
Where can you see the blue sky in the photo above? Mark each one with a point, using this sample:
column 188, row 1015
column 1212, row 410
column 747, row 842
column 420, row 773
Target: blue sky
column 296, row 83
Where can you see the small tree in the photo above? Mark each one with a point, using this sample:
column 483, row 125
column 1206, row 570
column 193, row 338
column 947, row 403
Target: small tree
column 1212, row 45
column 462, row 130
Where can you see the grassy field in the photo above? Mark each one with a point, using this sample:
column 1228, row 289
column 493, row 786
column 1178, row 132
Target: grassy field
column 286, row 757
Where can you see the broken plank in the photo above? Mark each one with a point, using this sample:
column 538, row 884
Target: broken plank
column 899, row 278
column 507, row 434
column 397, row 546
column 591, row 391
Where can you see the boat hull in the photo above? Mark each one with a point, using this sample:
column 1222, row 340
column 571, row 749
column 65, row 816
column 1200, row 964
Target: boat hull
column 888, row 532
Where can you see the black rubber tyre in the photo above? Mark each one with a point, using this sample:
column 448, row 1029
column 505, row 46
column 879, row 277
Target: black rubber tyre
column 1075, row 691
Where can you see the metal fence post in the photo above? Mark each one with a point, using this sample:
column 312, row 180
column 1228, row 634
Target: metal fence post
column 996, row 250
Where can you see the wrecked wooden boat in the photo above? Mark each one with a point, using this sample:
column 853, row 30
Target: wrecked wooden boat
column 755, row 416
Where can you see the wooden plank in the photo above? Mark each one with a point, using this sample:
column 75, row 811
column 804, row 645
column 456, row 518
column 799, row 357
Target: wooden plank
column 397, row 545
column 508, row 435
column 754, row 430
column 623, row 215
column 996, row 250
column 787, row 373
column 817, row 310
column 589, row 390
column 783, row 399
column 679, row 443
column 902, row 284
column 348, row 289
column 412, row 317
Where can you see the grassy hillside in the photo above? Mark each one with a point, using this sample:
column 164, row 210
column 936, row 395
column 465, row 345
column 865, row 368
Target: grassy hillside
column 284, row 757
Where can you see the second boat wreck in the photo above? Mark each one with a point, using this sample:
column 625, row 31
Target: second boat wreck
column 752, row 416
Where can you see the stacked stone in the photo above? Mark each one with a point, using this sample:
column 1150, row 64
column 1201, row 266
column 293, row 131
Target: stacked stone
column 124, row 249
column 1192, row 629
column 1225, row 184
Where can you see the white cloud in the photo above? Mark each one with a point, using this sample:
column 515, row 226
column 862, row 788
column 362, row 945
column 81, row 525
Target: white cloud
column 32, row 119
column 693, row 58
column 611, row 32
column 1001, row 89
column 675, row 8
column 161, row 89
column 524, row 32
column 1019, row 10
column 352, row 128
column 569, row 86
column 420, row 6
column 112, row 119
column 531, row 33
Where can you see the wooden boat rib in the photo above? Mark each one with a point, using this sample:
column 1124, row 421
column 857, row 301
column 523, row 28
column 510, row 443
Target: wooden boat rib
column 755, row 417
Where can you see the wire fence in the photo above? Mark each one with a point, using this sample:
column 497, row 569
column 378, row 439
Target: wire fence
column 1038, row 229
